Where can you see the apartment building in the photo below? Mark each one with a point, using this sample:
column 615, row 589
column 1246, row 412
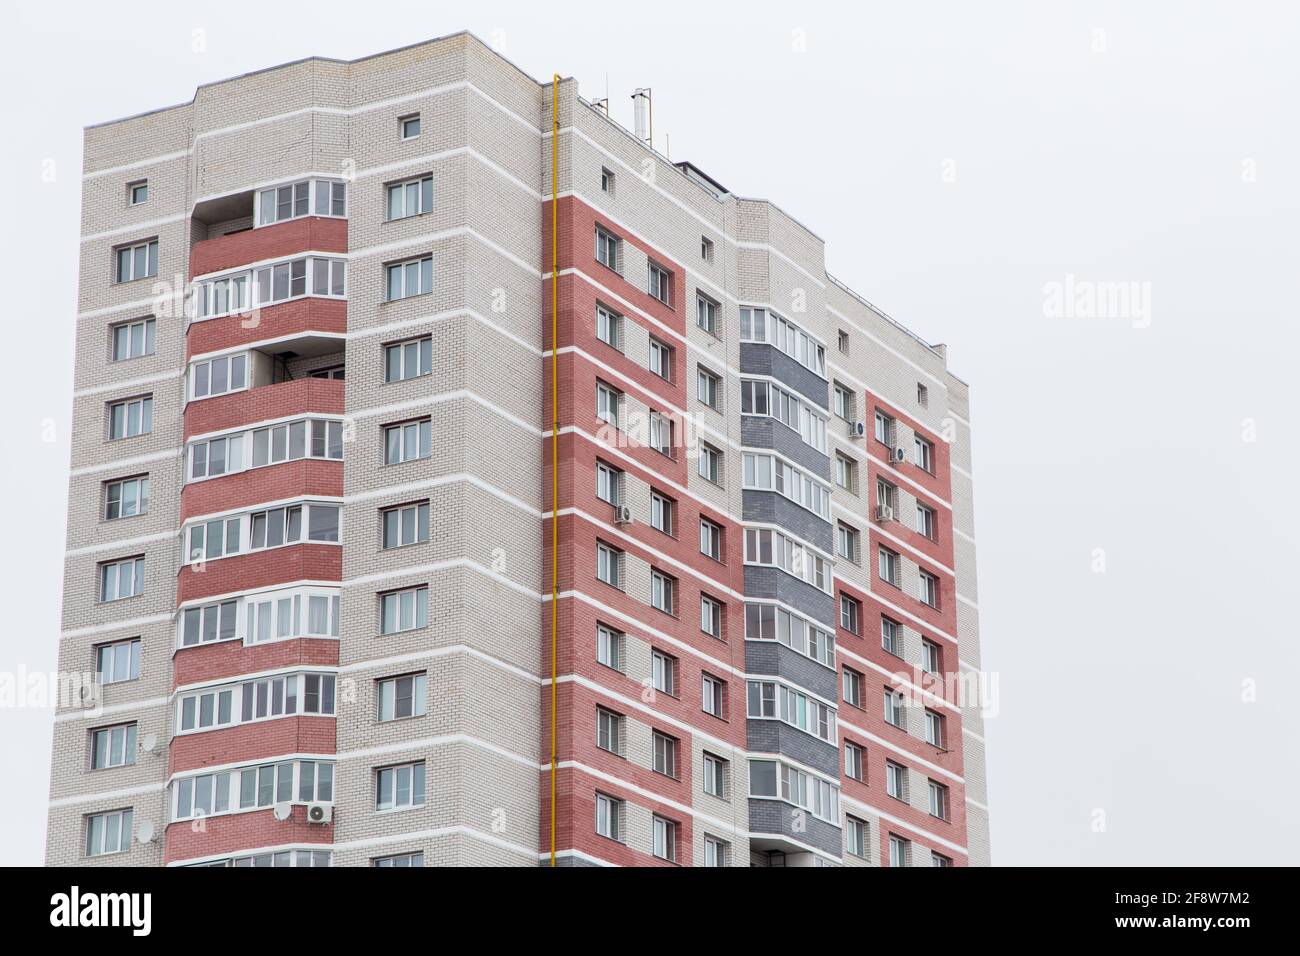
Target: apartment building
column 319, row 487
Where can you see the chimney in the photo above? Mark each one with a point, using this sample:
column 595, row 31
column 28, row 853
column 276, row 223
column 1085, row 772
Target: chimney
column 645, row 130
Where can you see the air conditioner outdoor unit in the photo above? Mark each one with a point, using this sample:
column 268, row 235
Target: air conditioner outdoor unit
column 884, row 513
column 900, row 454
column 858, row 428
column 320, row 812
column 623, row 514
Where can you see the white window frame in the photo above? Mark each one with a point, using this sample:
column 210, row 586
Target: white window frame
column 396, row 451
column 130, row 255
column 418, row 267
column 147, row 339
column 388, row 798
column 142, row 405
column 388, row 696
column 421, row 187
column 413, row 359
column 394, row 606
column 119, row 657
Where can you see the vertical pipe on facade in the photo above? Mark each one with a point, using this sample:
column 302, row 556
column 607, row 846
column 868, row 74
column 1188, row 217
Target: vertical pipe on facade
column 555, row 427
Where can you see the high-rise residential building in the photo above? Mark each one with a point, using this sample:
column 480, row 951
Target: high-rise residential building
column 312, row 498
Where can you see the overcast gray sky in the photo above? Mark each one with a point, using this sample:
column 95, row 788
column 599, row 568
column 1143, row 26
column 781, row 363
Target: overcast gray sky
column 965, row 162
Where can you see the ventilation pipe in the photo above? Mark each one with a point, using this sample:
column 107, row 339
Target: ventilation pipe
column 644, row 113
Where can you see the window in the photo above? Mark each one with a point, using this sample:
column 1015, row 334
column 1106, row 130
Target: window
column 846, row 542
column 884, row 428
column 844, row 342
column 609, row 483
column 408, row 524
column 845, row 472
column 766, row 398
column 137, row 192
column 928, row 589
column 609, row 647
column 887, row 566
column 607, row 249
column 886, row 495
column 661, row 512
column 217, row 376
column 139, row 261
column 133, row 339
column 711, row 616
column 853, row 761
column 609, row 817
column 400, row 786
column 280, row 282
column 660, row 283
column 118, row 661
column 845, row 404
column 309, row 197
column 663, row 673
column 850, row 613
column 925, row 454
column 710, row 466
column 708, row 388
column 217, row 622
column 609, row 731
column 409, row 126
column 891, row 634
column 413, row 197
column 934, row 729
column 404, row 610
column 852, row 682
column 663, row 592
column 121, row 579
column 711, row 539
column 108, row 833
column 716, row 852
column 661, row 434
column 768, row 699
column 765, row 546
column 606, row 180
column 410, row 359
column 206, row 709
column 400, row 697
column 893, row 708
column 768, row 778
column 609, row 327
column 661, row 359
column 706, row 248
column 925, row 520
column 609, row 564
column 706, row 313
column 899, row 851
column 665, row 754
column 715, row 776
column 895, row 780
column 409, row 278
column 922, row 395
column 855, row 837
column 609, row 404
column 761, row 325
column 129, row 418
column 407, row 441
column 401, row 859
column 713, row 690
column 665, row 839
column 931, row 657
column 288, row 612
column 255, row 700
column 126, row 498
column 938, row 800
column 938, row 859
column 112, row 746
column 765, row 622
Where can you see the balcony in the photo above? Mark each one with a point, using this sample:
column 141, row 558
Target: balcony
column 269, row 396
column 279, row 241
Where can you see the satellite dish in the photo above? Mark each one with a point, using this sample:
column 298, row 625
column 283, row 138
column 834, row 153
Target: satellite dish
column 145, row 831
column 148, row 742
column 283, row 810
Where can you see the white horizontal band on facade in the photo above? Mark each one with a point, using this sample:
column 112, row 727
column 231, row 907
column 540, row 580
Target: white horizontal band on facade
column 971, row 801
column 135, row 227
column 107, row 628
column 97, row 713
column 101, row 795
column 121, row 544
column 129, row 384
column 176, row 451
